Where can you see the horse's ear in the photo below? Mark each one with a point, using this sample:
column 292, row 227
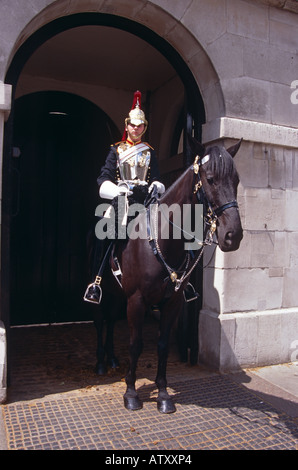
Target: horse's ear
column 196, row 147
column 234, row 149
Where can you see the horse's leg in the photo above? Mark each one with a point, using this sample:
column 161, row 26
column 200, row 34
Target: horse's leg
column 105, row 349
column 135, row 316
column 100, row 367
column 95, row 249
column 182, row 334
column 168, row 316
column 112, row 360
column 117, row 309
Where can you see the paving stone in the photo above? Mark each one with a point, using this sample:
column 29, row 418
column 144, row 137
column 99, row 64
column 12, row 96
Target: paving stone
column 213, row 411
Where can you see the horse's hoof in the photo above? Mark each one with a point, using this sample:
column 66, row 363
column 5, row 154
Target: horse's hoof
column 166, row 406
column 113, row 363
column 100, row 369
column 133, row 403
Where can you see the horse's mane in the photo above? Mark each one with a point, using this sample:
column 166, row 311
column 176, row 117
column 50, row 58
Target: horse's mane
column 176, row 184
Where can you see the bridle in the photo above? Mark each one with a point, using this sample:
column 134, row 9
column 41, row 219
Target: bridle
column 210, row 217
column 212, row 214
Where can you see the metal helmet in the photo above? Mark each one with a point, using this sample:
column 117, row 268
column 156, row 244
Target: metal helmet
column 136, row 115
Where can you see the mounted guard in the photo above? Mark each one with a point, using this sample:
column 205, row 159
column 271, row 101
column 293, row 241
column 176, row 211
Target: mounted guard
column 157, row 273
column 130, row 170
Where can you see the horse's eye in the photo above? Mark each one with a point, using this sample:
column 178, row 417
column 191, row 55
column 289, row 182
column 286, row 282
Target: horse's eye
column 210, row 180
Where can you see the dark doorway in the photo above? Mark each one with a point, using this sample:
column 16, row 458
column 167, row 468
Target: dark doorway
column 60, row 143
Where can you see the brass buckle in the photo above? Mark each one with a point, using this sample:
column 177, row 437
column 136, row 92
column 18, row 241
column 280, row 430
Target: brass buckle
column 196, row 165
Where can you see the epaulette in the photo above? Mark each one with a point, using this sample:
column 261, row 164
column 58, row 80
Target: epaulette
column 121, row 142
column 149, row 145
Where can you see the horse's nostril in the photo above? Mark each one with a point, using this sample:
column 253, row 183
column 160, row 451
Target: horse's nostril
column 233, row 238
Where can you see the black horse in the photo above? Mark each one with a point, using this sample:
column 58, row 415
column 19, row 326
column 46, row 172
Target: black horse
column 155, row 270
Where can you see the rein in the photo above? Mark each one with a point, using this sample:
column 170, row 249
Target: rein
column 172, row 273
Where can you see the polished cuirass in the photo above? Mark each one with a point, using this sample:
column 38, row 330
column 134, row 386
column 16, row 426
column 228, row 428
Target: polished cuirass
column 133, row 161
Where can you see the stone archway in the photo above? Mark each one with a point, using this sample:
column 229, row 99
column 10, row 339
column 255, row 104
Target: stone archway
column 185, row 54
column 145, row 18
column 28, row 43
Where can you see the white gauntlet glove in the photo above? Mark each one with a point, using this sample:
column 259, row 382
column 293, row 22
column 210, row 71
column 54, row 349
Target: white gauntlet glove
column 109, row 190
column 159, row 186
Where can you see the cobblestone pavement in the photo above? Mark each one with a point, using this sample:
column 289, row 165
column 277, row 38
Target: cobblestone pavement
column 56, row 401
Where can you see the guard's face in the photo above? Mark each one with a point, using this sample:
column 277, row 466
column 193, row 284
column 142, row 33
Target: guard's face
column 135, row 132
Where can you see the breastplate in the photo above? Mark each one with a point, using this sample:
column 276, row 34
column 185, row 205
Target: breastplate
column 133, row 161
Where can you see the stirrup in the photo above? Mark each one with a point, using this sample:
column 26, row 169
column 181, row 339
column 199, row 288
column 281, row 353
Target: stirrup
column 190, row 293
column 93, row 292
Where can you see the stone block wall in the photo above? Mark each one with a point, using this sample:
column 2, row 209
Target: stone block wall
column 250, row 312
column 250, row 296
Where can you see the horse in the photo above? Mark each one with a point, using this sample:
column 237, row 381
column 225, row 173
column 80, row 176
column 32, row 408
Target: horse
column 155, row 270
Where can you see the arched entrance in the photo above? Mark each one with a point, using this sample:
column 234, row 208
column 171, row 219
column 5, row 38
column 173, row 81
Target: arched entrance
column 54, row 275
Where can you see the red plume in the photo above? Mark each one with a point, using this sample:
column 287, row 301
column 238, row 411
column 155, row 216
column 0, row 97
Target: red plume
column 136, row 101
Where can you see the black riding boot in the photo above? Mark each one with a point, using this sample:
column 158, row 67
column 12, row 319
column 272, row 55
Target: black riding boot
column 93, row 292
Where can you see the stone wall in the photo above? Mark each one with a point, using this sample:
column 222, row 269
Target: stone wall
column 250, row 314
column 250, row 301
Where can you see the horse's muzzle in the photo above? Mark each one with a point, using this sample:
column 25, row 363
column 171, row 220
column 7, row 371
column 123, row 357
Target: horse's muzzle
column 231, row 241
